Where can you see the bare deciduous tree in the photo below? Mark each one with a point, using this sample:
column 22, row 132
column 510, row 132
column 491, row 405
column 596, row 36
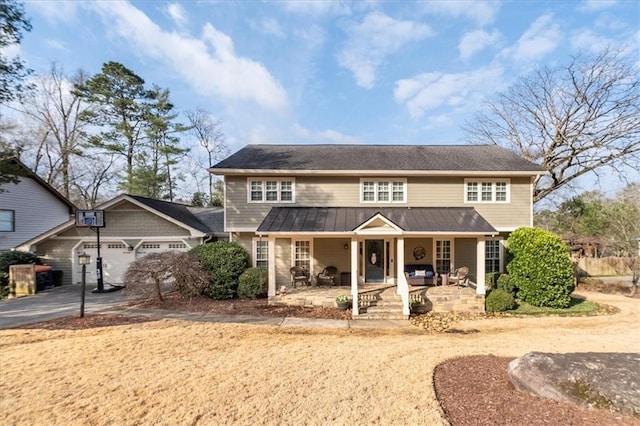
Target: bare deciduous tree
column 624, row 218
column 580, row 118
column 208, row 131
column 157, row 273
column 55, row 111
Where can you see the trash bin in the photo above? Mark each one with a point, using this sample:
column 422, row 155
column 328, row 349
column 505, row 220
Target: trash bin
column 57, row 278
column 44, row 277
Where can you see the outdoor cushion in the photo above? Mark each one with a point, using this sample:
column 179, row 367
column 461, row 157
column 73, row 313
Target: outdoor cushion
column 420, row 273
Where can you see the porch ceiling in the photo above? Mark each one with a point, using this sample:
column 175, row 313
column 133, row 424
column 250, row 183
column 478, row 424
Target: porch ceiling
column 348, row 219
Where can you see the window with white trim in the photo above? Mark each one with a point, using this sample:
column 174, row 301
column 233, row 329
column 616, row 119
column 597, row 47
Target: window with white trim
column 302, row 254
column 7, row 221
column 260, row 253
column 486, row 191
column 271, row 190
column 492, row 256
column 383, row 191
column 443, row 256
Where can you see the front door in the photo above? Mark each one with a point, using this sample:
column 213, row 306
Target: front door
column 374, row 261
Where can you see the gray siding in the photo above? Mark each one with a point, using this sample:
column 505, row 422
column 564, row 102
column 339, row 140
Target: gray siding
column 410, row 245
column 36, row 211
column 344, row 191
column 465, row 254
column 140, row 223
column 331, row 252
column 57, row 253
column 283, row 262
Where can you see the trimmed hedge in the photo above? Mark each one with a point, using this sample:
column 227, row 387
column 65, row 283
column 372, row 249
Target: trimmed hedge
column 505, row 283
column 540, row 269
column 253, row 283
column 499, row 300
column 226, row 260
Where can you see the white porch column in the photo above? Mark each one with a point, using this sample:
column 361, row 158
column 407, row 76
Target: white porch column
column 354, row 275
column 402, row 287
column 480, row 258
column 271, row 253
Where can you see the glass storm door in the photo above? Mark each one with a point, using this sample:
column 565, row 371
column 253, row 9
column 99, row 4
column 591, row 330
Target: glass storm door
column 374, row 261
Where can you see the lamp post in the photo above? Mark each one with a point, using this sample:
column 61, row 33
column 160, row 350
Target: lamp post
column 84, row 259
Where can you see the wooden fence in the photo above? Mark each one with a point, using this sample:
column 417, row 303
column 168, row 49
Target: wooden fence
column 594, row 266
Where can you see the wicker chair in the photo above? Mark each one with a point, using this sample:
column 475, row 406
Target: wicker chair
column 459, row 277
column 299, row 274
column 328, row 276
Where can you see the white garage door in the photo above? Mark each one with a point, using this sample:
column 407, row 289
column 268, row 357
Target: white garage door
column 115, row 260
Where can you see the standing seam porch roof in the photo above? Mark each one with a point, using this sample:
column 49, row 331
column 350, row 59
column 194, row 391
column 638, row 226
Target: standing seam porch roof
column 347, row 219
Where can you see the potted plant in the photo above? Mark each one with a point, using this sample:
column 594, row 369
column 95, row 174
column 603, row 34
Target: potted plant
column 415, row 305
column 343, row 302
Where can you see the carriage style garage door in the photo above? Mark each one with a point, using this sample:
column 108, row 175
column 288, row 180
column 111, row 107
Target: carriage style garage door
column 116, row 257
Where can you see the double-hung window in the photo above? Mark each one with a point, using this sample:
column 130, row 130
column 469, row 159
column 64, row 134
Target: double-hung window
column 486, row 191
column 443, row 256
column 383, row 191
column 302, row 254
column 492, row 256
column 271, row 190
column 261, row 253
column 7, row 221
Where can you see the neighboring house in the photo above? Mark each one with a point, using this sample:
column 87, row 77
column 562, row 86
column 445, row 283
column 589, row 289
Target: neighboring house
column 369, row 210
column 29, row 208
column 134, row 226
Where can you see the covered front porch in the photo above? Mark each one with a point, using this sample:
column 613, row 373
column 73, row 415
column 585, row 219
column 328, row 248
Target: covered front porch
column 372, row 248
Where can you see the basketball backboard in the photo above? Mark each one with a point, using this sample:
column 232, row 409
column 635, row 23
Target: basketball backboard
column 90, row 218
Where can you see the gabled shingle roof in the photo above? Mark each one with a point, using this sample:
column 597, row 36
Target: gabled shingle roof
column 474, row 158
column 347, row 219
column 207, row 220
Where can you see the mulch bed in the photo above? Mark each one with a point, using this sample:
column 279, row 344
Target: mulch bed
column 256, row 307
column 476, row 391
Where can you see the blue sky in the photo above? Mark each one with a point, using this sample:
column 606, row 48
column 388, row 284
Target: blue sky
column 327, row 71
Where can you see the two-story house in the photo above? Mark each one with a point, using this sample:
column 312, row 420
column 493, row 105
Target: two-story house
column 29, row 207
column 369, row 210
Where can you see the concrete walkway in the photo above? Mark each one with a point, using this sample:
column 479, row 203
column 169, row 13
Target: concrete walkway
column 65, row 301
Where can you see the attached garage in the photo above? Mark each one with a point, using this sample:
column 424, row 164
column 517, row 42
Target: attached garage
column 134, row 226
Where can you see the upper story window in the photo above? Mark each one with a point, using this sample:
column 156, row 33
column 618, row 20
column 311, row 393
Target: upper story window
column 271, row 190
column 383, row 191
column 7, row 221
column 486, row 191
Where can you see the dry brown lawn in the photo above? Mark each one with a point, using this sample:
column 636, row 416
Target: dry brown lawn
column 171, row 372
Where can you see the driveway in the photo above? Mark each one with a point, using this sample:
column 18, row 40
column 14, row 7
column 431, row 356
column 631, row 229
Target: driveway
column 56, row 302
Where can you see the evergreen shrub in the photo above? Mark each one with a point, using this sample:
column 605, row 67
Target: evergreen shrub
column 253, row 283
column 499, row 300
column 540, row 269
column 225, row 260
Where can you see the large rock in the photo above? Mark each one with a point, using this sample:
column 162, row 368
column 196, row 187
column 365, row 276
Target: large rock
column 601, row 380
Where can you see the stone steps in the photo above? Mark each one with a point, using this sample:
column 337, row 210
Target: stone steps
column 386, row 306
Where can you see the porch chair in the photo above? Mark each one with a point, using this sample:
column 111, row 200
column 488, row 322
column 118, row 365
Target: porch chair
column 459, row 277
column 299, row 274
column 328, row 276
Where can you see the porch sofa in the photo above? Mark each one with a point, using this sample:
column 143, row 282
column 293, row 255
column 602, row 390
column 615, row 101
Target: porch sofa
column 420, row 274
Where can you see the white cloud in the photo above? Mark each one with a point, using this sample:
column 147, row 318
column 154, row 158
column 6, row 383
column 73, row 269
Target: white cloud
column 55, row 44
column 209, row 64
column 542, row 37
column 587, row 39
column 54, row 11
column 316, row 7
column 11, row 51
column 269, row 26
column 324, row 136
column 178, row 14
column 596, row 5
column 429, row 91
column 475, row 41
column 370, row 42
column 481, row 12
